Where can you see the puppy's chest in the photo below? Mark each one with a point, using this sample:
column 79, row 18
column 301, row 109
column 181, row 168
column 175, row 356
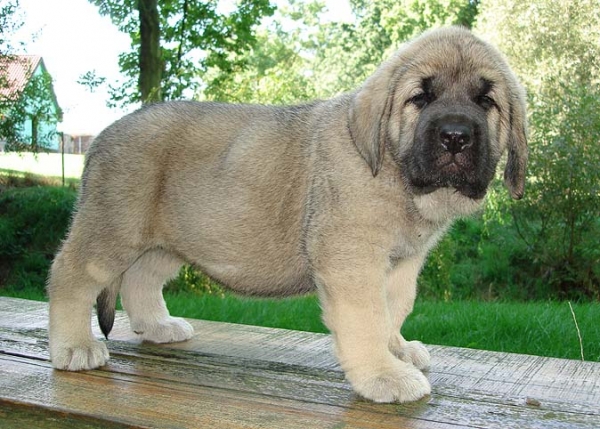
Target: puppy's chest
column 414, row 241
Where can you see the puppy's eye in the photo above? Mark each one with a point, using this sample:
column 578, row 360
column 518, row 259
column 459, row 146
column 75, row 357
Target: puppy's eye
column 420, row 100
column 486, row 102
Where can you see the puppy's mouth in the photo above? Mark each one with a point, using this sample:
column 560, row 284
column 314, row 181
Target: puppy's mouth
column 449, row 173
column 448, row 163
column 475, row 191
column 455, row 171
column 465, row 172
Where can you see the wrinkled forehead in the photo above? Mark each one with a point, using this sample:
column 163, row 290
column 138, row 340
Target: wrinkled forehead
column 448, row 63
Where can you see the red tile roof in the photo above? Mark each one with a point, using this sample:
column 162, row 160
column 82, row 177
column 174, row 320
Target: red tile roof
column 16, row 72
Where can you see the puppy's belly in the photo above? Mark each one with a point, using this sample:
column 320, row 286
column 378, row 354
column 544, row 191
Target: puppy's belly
column 259, row 276
column 246, row 248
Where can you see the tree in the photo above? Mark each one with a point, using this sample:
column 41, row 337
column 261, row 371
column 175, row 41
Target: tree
column 351, row 52
column 193, row 36
column 9, row 23
column 554, row 47
column 278, row 68
column 298, row 56
column 150, row 59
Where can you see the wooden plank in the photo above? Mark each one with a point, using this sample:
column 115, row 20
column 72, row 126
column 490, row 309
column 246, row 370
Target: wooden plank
column 19, row 416
column 138, row 400
column 242, row 376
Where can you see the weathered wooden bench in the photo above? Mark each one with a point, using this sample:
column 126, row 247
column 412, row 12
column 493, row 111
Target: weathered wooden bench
column 236, row 376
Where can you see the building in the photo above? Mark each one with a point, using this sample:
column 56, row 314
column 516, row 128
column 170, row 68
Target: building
column 29, row 110
column 76, row 143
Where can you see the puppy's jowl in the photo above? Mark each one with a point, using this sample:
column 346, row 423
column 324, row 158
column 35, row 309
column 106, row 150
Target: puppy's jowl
column 344, row 197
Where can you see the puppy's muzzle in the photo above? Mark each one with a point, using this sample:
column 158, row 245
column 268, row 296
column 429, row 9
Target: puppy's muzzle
column 456, row 136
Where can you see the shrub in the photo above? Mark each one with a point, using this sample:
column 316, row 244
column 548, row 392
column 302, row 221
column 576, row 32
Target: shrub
column 33, row 221
column 558, row 220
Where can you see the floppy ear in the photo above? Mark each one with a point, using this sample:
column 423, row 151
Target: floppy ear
column 368, row 119
column 516, row 165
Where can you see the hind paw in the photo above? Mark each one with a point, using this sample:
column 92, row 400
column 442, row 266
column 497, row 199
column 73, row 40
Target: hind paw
column 89, row 355
column 169, row 330
column 414, row 352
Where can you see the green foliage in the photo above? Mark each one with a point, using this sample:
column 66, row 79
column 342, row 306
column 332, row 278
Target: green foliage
column 277, row 70
column 347, row 53
column 33, row 222
column 402, row 20
column 479, row 259
column 191, row 280
column 10, row 22
column 298, row 56
column 559, row 218
column 194, row 36
column 91, row 80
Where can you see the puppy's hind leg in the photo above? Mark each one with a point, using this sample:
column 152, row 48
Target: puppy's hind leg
column 76, row 279
column 141, row 296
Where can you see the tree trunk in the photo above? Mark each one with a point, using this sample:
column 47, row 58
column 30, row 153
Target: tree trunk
column 150, row 58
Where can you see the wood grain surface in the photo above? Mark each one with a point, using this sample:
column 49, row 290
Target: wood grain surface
column 237, row 376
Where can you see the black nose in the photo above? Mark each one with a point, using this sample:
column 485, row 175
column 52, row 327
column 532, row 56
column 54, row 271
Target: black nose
column 455, row 137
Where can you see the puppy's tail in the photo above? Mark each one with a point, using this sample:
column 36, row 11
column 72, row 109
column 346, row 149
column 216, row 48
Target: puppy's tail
column 105, row 306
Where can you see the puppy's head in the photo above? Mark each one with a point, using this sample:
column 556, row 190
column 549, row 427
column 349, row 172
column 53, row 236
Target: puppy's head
column 446, row 106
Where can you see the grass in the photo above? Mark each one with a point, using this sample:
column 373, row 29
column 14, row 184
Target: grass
column 34, row 294
column 298, row 313
column 19, row 179
column 535, row 328
column 544, row 329
column 42, row 164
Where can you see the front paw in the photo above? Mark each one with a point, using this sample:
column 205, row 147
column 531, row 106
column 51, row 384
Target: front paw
column 413, row 352
column 168, row 330
column 394, row 382
column 87, row 355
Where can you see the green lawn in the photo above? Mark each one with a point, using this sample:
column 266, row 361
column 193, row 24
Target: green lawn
column 545, row 329
column 43, row 164
column 536, row 328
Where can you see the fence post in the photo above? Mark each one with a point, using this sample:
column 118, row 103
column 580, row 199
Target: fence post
column 62, row 156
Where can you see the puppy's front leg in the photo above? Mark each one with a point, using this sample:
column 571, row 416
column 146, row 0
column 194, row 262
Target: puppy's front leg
column 355, row 309
column 401, row 290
